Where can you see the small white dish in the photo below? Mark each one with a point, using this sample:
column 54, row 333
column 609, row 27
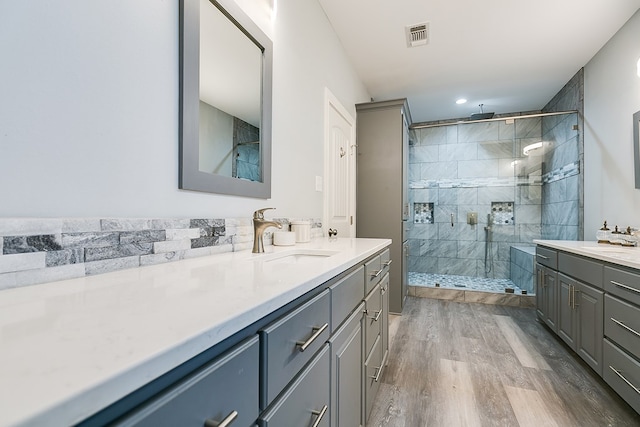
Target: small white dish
column 284, row 238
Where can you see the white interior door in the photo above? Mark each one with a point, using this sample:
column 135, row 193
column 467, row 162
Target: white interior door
column 339, row 169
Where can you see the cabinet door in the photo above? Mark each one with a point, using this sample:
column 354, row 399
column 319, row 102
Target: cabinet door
column 589, row 310
column 541, row 292
column 306, row 399
column 566, row 316
column 551, row 298
column 372, row 373
column 405, row 271
column 384, row 333
column 346, row 372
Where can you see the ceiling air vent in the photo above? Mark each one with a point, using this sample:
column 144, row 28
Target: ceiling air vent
column 417, row 34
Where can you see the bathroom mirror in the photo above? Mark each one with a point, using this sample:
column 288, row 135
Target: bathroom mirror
column 225, row 101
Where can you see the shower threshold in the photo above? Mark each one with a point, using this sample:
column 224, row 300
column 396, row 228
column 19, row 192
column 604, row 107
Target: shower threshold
column 463, row 283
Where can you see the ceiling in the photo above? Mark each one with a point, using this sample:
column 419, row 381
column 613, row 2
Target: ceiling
column 510, row 55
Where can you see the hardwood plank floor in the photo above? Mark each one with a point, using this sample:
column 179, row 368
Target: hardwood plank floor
column 465, row 364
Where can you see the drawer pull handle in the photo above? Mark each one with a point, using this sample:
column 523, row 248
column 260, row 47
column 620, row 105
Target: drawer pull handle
column 618, row 373
column 376, row 317
column 388, row 263
column 320, row 414
column 376, row 377
column 318, row 331
column 224, row 423
column 542, row 256
column 626, row 327
column 629, row 288
column 376, row 273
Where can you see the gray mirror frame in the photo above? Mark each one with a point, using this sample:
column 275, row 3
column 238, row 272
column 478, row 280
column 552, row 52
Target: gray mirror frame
column 190, row 176
column 636, row 146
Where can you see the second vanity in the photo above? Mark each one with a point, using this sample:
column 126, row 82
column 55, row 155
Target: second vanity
column 297, row 335
column 589, row 295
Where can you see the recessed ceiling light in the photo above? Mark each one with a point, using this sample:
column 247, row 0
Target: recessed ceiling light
column 461, row 101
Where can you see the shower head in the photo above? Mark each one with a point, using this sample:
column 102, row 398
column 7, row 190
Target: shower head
column 481, row 115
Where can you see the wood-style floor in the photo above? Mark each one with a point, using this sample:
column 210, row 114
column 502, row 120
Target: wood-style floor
column 464, row 364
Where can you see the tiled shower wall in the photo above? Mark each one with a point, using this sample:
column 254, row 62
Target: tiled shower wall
column 562, row 192
column 39, row 250
column 465, row 168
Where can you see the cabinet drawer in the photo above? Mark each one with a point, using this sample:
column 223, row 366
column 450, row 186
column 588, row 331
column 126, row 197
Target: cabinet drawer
column 622, row 373
column 372, row 273
column 622, row 323
column 385, row 262
column 588, row 271
column 306, row 399
column 372, row 376
column 547, row 257
column 623, row 284
column 229, row 383
column 373, row 318
column 345, row 295
column 282, row 349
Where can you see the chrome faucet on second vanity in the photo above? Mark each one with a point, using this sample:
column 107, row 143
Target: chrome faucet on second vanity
column 259, row 225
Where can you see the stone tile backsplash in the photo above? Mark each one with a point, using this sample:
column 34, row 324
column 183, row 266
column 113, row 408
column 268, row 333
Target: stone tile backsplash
column 39, row 250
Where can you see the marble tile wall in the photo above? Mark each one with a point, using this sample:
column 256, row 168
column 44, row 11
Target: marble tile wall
column 563, row 189
column 39, row 250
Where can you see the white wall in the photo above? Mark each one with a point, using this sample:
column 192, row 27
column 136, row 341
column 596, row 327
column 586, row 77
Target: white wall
column 89, row 109
column 611, row 96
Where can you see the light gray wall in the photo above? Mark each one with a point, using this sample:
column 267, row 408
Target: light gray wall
column 611, row 96
column 89, row 109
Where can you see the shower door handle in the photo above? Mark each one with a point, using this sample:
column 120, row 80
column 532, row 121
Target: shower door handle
column 452, row 219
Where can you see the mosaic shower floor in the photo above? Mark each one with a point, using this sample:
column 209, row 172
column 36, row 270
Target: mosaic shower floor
column 462, row 282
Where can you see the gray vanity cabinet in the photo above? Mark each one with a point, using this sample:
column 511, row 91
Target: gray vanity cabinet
column 621, row 365
column 598, row 315
column 347, row 371
column 382, row 184
column 226, row 386
column 306, row 401
column 304, row 364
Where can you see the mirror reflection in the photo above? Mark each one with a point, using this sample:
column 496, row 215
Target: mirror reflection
column 230, row 97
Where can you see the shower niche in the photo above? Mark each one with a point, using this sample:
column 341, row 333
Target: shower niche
column 503, row 213
column 423, row 213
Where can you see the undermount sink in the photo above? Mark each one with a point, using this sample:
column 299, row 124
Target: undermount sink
column 296, row 256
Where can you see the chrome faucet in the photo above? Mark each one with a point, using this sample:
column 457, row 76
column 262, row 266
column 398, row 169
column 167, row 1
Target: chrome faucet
column 259, row 225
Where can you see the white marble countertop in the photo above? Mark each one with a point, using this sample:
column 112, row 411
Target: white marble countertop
column 71, row 348
column 615, row 254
